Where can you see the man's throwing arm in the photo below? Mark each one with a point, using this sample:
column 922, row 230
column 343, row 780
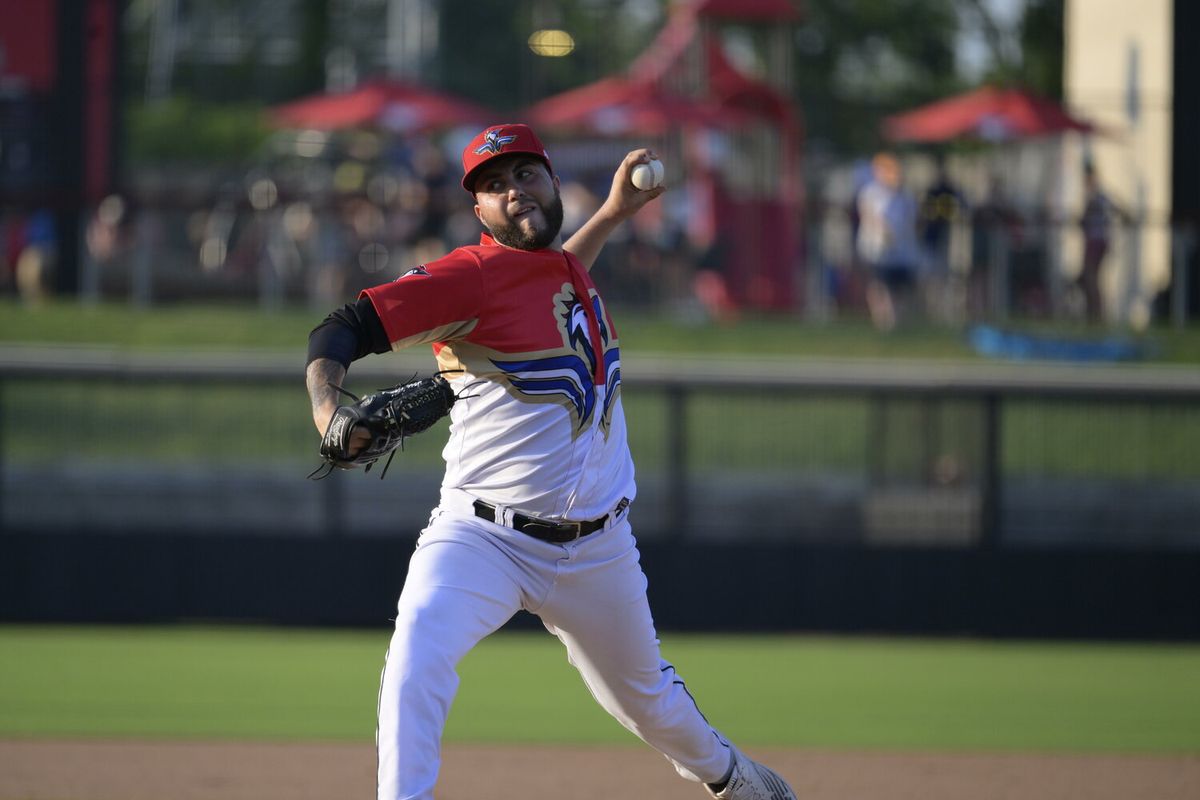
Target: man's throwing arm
column 622, row 203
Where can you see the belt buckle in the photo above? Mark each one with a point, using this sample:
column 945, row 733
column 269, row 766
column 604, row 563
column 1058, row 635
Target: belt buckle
column 575, row 528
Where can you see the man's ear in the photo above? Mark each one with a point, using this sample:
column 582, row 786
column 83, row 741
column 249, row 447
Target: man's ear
column 479, row 216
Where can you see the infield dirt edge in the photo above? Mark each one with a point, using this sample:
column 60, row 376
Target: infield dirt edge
column 63, row 769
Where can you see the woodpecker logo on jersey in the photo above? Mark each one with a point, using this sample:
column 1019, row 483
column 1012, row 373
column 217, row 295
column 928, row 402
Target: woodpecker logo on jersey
column 569, row 373
column 493, row 143
column 417, row 271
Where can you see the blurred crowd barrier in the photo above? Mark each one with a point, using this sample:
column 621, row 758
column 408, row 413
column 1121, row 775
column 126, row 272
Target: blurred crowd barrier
column 986, row 264
column 312, row 224
column 993, row 265
column 320, row 218
column 1017, row 235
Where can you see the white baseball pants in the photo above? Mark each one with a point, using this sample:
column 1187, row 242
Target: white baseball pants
column 466, row 578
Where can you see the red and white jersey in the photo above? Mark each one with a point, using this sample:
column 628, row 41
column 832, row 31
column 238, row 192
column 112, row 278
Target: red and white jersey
column 540, row 427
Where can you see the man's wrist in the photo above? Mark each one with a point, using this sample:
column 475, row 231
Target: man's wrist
column 613, row 214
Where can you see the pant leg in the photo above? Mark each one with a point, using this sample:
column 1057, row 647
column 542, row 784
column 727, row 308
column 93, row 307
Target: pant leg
column 460, row 588
column 599, row 609
column 1089, row 278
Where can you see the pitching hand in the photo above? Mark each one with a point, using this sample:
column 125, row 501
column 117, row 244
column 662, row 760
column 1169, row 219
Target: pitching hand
column 625, row 200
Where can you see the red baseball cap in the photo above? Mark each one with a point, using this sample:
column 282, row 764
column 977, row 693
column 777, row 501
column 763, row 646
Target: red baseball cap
column 500, row 140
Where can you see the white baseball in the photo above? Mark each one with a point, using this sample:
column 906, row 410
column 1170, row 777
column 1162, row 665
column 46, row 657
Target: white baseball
column 647, row 176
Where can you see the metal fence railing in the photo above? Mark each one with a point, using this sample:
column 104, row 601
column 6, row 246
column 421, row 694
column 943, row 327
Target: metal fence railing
column 854, row 453
column 189, row 242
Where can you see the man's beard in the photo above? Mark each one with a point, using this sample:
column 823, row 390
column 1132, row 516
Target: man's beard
column 511, row 234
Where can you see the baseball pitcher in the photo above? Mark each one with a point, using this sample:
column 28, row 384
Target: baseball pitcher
column 534, row 506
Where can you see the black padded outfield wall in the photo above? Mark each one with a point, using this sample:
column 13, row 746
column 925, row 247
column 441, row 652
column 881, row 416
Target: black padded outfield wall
column 348, row 581
column 955, row 499
column 1185, row 156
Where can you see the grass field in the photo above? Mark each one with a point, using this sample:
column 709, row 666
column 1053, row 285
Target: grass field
column 225, row 327
column 244, row 326
column 251, row 683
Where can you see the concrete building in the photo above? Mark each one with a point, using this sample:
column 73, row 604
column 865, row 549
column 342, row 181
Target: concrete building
column 1127, row 69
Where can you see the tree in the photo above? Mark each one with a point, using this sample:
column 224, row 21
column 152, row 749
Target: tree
column 1041, row 37
column 1028, row 54
column 485, row 54
column 859, row 60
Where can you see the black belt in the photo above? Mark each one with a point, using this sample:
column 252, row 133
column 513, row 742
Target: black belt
column 546, row 530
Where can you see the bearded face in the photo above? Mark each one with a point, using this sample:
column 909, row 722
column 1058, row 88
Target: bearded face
column 531, row 233
column 517, row 200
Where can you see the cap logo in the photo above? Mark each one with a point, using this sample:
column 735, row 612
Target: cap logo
column 493, row 143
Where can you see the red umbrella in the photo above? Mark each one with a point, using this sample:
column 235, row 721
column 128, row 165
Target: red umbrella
column 390, row 104
column 987, row 113
column 748, row 10
column 644, row 102
column 621, row 105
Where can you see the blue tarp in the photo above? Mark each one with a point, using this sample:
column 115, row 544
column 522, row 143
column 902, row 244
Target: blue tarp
column 997, row 343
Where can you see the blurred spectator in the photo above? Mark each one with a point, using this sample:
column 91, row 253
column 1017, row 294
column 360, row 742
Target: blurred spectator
column 1029, row 286
column 433, row 170
column 996, row 230
column 1096, row 222
column 579, row 203
column 37, row 258
column 887, row 242
column 942, row 207
column 843, row 275
column 103, row 236
column 12, row 241
column 106, row 239
column 862, row 176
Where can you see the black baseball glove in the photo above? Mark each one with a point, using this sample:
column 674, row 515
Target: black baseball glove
column 389, row 416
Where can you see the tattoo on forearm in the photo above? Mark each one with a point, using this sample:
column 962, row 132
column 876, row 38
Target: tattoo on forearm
column 318, row 377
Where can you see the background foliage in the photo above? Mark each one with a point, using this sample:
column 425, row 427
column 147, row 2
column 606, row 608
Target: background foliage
column 855, row 60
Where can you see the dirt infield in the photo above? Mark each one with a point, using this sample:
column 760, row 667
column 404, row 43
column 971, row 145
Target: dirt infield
column 103, row 770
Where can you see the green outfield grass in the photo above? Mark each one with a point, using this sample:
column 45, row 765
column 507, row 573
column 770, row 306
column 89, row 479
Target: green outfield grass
column 249, row 683
column 236, row 327
column 233, row 326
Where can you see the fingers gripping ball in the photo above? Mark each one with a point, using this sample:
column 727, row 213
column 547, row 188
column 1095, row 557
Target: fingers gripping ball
column 645, row 177
column 388, row 416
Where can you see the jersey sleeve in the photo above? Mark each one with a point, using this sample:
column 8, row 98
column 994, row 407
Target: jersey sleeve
column 435, row 302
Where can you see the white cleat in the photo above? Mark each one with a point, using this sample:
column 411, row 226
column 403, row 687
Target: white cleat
column 752, row 781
